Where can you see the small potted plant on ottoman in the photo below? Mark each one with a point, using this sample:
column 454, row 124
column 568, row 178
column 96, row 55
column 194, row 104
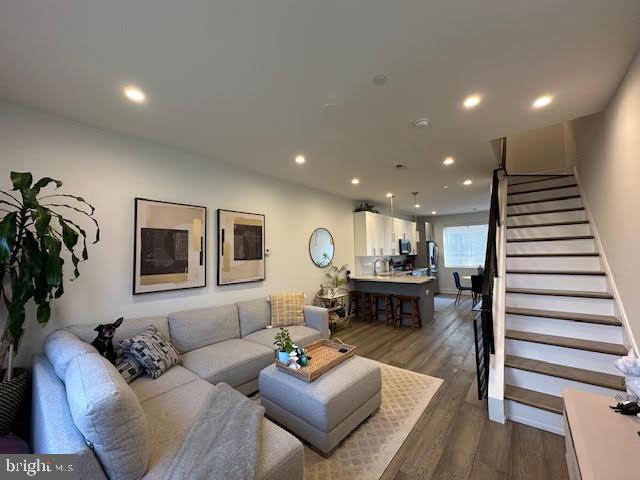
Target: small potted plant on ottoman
column 284, row 344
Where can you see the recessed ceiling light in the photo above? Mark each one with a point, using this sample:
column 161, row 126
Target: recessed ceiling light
column 379, row 80
column 417, row 205
column 134, row 94
column 448, row 161
column 355, row 181
column 467, row 182
column 300, row 160
column 421, row 122
column 389, row 195
column 472, row 101
column 542, row 101
column 444, row 187
column 434, row 212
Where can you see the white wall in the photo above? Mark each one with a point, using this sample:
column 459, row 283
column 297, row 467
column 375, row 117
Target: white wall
column 445, row 275
column 541, row 150
column 607, row 159
column 109, row 170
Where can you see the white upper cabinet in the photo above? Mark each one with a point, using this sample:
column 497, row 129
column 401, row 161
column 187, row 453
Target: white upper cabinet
column 377, row 235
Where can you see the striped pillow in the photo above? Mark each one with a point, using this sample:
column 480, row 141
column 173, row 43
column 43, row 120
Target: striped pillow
column 287, row 309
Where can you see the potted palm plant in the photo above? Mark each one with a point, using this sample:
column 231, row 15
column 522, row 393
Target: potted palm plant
column 38, row 229
column 335, row 278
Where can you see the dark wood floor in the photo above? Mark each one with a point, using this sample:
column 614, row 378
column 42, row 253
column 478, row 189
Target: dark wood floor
column 454, row 439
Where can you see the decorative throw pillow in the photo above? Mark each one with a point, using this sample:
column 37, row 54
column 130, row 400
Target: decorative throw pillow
column 152, row 350
column 129, row 367
column 287, row 309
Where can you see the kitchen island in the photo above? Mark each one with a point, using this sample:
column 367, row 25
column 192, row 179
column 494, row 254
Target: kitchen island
column 399, row 284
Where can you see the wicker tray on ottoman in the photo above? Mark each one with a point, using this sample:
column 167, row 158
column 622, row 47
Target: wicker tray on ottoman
column 323, row 356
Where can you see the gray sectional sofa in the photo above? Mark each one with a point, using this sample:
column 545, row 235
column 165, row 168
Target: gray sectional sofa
column 229, row 344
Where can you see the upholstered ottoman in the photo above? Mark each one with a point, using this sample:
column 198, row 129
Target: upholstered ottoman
column 325, row 411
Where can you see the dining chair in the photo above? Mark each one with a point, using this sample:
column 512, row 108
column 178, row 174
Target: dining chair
column 461, row 288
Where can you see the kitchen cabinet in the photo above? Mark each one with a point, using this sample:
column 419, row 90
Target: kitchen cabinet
column 378, row 235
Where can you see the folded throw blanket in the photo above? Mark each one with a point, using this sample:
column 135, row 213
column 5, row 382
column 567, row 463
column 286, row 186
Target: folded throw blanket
column 223, row 440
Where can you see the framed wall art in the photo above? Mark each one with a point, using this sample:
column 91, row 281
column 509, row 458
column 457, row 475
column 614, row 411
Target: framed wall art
column 170, row 241
column 241, row 243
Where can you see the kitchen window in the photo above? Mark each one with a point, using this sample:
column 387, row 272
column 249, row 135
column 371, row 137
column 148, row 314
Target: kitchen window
column 465, row 246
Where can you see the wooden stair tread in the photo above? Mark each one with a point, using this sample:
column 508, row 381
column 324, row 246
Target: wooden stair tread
column 543, row 189
column 550, row 239
column 559, row 272
column 576, row 317
column 539, row 212
column 550, row 224
column 551, row 199
column 599, row 379
column 549, row 177
column 567, row 342
column 533, row 399
column 561, row 293
column 587, row 254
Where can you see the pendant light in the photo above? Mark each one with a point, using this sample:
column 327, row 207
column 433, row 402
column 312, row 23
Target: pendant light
column 415, row 214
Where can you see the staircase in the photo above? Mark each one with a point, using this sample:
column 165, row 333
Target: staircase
column 560, row 317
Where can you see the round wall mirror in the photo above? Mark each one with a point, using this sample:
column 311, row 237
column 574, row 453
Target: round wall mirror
column 321, row 247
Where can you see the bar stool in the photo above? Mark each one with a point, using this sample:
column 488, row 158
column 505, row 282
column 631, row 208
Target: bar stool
column 360, row 302
column 413, row 315
column 387, row 307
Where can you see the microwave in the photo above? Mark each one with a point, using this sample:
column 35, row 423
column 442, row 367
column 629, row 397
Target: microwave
column 405, row 247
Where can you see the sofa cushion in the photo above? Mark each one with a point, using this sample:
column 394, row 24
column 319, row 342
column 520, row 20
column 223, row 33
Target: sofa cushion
column 233, row 361
column 109, row 415
column 129, row 367
column 129, row 328
column 254, row 315
column 281, row 455
column 287, row 309
column 191, row 329
column 301, row 336
column 61, row 347
column 152, row 350
column 146, row 387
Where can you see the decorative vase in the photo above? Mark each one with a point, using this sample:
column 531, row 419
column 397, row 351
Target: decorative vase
column 12, row 395
column 304, row 361
column 283, row 356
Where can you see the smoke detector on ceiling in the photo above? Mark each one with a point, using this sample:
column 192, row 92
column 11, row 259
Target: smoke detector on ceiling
column 421, row 122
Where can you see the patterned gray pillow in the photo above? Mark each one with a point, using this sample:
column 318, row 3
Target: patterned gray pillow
column 152, row 350
column 129, row 367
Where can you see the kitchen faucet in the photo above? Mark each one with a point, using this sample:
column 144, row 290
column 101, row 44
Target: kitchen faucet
column 375, row 270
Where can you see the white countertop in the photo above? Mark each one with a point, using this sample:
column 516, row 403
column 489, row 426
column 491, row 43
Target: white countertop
column 410, row 279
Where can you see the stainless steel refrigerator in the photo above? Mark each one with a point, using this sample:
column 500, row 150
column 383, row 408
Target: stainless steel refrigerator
column 432, row 263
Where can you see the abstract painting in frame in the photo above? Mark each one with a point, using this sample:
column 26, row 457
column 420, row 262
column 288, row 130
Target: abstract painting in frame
column 241, row 243
column 170, row 242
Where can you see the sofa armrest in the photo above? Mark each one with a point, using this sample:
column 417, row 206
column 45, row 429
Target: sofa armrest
column 318, row 318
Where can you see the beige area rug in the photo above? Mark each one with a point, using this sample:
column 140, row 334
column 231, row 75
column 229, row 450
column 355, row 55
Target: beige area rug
column 366, row 453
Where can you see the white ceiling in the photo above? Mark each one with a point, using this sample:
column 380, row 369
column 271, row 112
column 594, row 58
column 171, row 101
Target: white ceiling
column 245, row 81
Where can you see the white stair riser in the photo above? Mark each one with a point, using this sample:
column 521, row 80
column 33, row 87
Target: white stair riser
column 557, row 246
column 551, row 231
column 535, row 218
column 571, row 357
column 534, row 417
column 550, row 385
column 543, row 206
column 555, row 182
column 596, row 306
column 578, row 283
column 533, row 196
column 581, row 264
column 564, row 328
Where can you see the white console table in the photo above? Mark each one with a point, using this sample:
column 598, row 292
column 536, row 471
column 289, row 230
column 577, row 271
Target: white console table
column 601, row 444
